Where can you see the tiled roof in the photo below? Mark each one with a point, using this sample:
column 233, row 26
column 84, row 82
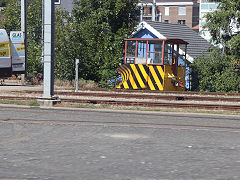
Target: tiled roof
column 197, row 45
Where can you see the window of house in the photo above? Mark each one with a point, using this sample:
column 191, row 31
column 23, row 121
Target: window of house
column 168, row 53
column 130, row 54
column 182, row 55
column 181, row 10
column 181, row 21
column 166, row 21
column 147, row 11
column 141, row 52
column 154, row 52
column 57, row 1
column 166, row 11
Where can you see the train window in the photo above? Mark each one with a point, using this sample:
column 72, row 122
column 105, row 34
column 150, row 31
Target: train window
column 182, row 55
column 141, row 52
column 155, row 52
column 168, row 53
column 130, row 54
column 182, row 49
column 181, row 60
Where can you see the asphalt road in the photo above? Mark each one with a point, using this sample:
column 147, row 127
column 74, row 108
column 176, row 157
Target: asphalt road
column 117, row 145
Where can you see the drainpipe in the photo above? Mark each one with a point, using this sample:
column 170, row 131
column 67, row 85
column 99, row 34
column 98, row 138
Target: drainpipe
column 160, row 17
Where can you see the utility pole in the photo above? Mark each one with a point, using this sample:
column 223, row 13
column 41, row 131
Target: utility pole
column 48, row 51
column 24, row 30
column 48, row 98
column 154, row 10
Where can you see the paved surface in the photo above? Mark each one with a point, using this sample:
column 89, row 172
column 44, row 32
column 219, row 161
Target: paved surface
column 115, row 145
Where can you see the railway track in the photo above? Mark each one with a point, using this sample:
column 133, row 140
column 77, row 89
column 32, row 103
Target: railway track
column 151, row 99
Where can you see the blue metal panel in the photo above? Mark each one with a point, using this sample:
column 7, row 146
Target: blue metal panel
column 144, row 33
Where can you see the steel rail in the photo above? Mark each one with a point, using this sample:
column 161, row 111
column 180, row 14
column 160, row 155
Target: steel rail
column 184, row 97
column 133, row 91
column 139, row 104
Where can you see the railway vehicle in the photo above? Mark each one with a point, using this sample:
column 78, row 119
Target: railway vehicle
column 12, row 53
column 5, row 55
column 154, row 64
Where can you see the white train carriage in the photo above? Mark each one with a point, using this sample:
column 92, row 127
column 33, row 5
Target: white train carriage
column 5, row 55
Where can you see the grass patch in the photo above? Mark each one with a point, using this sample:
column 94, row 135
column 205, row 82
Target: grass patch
column 20, row 102
column 71, row 84
column 81, row 105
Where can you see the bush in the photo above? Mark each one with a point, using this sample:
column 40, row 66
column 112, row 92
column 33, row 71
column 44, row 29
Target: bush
column 214, row 73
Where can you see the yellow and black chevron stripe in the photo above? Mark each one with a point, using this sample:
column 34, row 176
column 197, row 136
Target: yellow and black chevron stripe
column 138, row 76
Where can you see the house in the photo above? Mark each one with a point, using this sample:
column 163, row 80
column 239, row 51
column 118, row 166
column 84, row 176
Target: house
column 153, row 29
column 157, row 56
column 174, row 11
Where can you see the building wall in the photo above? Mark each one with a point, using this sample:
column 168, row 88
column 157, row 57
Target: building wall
column 190, row 18
column 206, row 6
column 174, row 17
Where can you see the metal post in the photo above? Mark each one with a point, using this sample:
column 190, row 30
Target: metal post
column 48, row 54
column 76, row 75
column 141, row 15
column 160, row 17
column 48, row 98
column 153, row 10
column 24, row 30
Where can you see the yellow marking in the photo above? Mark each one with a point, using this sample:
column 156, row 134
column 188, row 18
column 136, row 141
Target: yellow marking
column 161, row 72
column 125, row 85
column 125, row 72
column 171, row 75
column 124, row 81
column 150, row 83
column 5, row 44
column 147, row 78
column 118, row 86
column 22, row 44
column 20, row 49
column 160, row 87
column 145, row 75
column 151, row 86
column 139, row 79
column 120, row 72
column 132, row 80
column 5, row 52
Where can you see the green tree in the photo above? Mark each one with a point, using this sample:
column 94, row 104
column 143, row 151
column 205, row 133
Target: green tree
column 222, row 25
column 95, row 34
column 213, row 73
column 64, row 46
